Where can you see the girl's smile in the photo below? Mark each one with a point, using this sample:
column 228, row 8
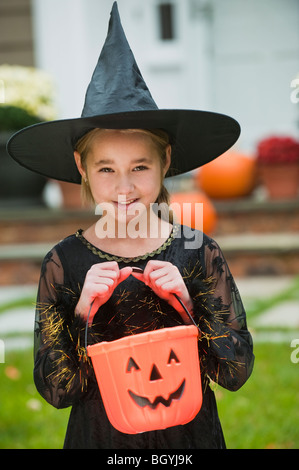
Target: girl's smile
column 125, row 204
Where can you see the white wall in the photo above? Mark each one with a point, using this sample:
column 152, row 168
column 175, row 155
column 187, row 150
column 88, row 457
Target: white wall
column 68, row 37
column 233, row 56
column 256, row 56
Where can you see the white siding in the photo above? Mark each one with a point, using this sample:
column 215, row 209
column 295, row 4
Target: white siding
column 233, row 56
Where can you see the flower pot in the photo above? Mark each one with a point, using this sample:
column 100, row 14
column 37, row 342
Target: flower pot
column 280, row 180
column 19, row 187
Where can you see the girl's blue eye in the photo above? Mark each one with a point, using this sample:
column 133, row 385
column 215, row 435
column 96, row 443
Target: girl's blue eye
column 140, row 168
column 105, row 170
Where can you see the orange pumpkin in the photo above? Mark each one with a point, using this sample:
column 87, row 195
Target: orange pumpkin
column 195, row 210
column 150, row 380
column 229, row 176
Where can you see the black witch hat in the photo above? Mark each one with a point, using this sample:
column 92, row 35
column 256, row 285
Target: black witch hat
column 118, row 98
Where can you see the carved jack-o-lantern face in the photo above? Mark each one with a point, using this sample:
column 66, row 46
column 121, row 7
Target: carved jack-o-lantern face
column 150, row 380
column 155, row 374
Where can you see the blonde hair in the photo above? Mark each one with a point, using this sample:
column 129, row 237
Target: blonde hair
column 159, row 138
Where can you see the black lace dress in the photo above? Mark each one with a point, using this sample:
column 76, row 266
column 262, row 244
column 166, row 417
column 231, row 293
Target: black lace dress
column 63, row 374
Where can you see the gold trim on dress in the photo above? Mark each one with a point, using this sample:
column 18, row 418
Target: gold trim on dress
column 107, row 256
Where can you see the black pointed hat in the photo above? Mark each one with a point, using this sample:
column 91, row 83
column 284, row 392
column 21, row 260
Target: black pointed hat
column 118, row 98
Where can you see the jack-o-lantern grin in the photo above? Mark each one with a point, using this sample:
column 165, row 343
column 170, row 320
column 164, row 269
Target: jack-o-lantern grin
column 144, row 401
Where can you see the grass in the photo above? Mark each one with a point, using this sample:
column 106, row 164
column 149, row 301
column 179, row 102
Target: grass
column 264, row 414
column 26, row 420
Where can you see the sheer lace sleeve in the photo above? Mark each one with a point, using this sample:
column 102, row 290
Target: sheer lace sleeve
column 225, row 346
column 60, row 362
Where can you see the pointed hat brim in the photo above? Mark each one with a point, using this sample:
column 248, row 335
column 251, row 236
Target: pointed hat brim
column 118, row 98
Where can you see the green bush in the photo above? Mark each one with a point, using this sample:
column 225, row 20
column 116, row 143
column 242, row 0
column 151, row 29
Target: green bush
column 15, row 118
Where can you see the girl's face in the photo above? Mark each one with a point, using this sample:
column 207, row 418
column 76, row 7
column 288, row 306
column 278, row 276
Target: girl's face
column 123, row 170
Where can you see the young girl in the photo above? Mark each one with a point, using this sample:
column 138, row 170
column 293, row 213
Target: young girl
column 92, row 275
column 125, row 169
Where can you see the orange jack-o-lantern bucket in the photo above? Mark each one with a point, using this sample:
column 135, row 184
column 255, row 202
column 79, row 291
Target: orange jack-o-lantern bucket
column 151, row 380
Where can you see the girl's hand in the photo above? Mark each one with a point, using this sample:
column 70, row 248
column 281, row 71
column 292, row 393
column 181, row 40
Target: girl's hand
column 165, row 280
column 99, row 284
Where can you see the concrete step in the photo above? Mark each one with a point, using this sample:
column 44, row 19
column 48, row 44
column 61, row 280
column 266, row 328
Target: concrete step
column 230, row 244
column 262, row 242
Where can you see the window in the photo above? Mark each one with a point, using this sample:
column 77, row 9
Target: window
column 16, row 41
column 166, row 21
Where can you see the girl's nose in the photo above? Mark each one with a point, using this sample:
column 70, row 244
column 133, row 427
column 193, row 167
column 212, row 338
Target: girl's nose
column 124, row 185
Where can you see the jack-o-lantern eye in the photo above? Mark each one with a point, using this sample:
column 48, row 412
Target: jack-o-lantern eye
column 172, row 357
column 132, row 365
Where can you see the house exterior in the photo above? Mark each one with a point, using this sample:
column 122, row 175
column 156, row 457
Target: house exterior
column 238, row 57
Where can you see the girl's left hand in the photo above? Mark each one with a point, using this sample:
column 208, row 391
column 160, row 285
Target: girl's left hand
column 165, row 279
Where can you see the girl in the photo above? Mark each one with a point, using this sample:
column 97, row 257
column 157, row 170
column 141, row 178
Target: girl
column 86, row 268
column 122, row 158
column 124, row 169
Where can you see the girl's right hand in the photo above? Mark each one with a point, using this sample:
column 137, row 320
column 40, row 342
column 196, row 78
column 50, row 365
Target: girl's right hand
column 99, row 284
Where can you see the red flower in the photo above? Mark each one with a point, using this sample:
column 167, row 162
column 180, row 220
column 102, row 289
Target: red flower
column 278, row 150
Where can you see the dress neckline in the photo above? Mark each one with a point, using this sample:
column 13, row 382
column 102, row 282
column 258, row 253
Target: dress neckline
column 110, row 257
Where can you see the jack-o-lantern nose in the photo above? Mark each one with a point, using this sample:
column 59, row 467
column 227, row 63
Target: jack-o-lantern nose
column 155, row 374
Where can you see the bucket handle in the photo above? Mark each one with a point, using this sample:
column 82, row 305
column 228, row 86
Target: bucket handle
column 139, row 270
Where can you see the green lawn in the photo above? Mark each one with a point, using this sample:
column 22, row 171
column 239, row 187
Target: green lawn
column 26, row 420
column 263, row 414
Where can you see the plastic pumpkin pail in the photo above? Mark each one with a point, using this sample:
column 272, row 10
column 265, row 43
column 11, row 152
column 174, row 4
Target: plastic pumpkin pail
column 151, row 380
